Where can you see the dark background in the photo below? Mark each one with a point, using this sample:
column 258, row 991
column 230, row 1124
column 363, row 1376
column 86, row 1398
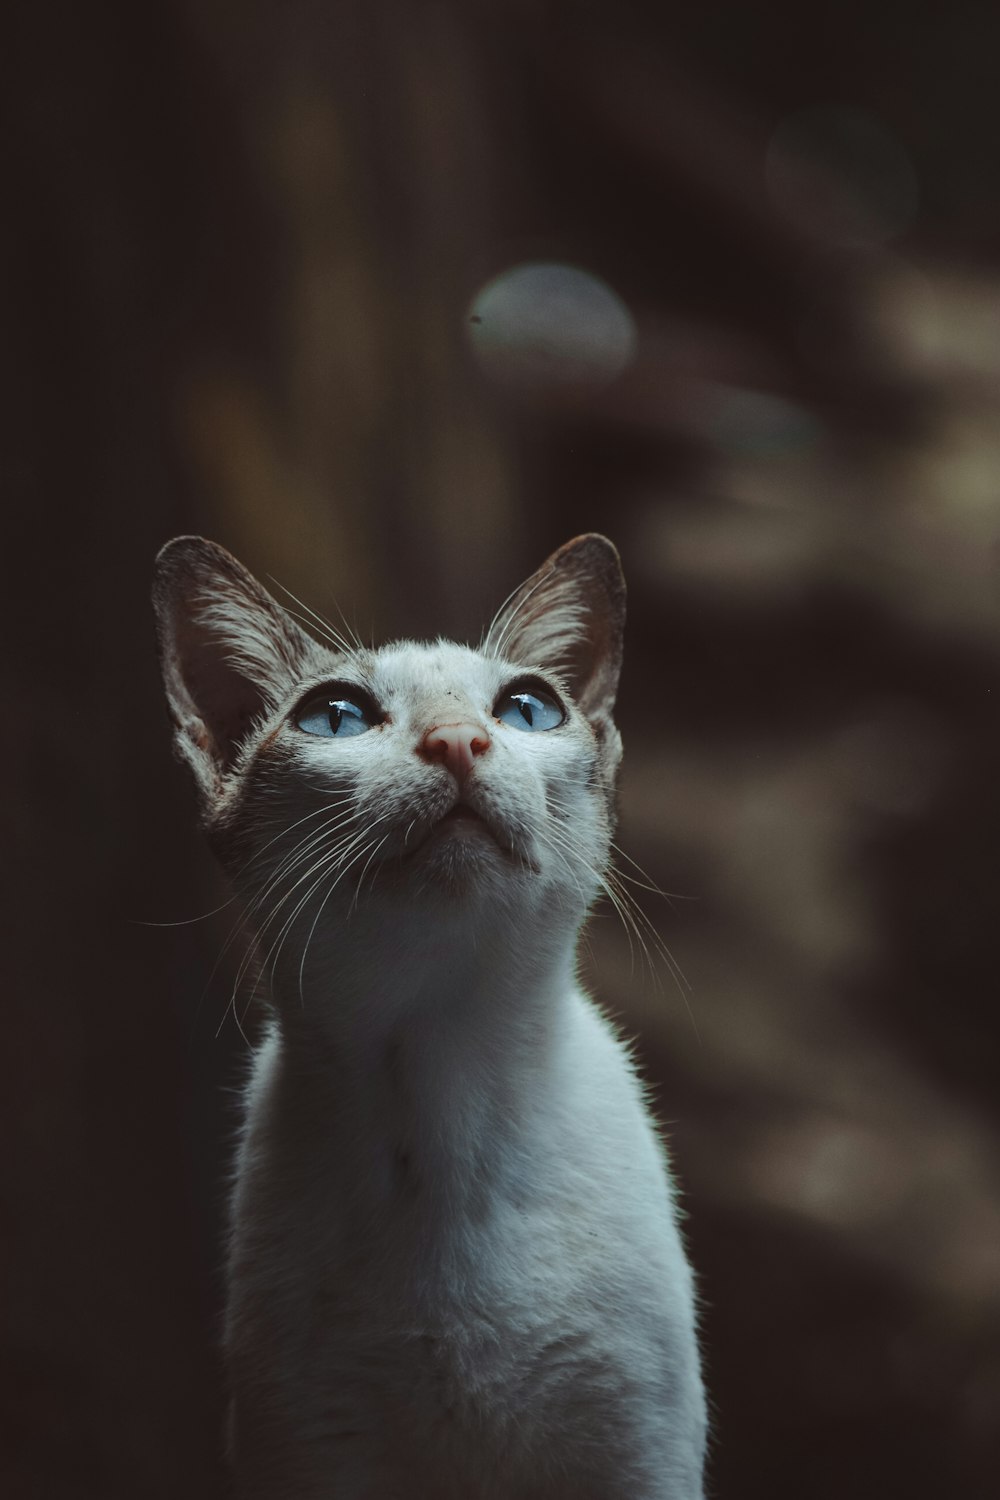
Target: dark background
column 238, row 249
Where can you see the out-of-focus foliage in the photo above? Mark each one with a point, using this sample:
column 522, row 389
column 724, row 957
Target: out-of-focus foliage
column 263, row 277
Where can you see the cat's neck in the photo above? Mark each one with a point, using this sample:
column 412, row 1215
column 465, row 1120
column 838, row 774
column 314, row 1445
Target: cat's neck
column 423, row 1066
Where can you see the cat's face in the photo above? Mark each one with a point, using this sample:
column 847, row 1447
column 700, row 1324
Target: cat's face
column 423, row 774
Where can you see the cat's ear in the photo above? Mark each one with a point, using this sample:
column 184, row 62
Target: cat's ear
column 228, row 653
column 570, row 618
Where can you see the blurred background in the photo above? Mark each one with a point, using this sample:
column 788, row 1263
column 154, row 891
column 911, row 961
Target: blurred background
column 391, row 299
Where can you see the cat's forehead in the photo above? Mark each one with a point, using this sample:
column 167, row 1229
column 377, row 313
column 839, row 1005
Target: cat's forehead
column 427, row 668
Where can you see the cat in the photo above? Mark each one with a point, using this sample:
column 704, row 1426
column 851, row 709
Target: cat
column 455, row 1271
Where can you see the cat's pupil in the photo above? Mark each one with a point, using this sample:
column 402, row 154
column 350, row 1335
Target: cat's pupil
column 341, row 710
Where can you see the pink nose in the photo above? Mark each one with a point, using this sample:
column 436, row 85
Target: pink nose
column 455, row 746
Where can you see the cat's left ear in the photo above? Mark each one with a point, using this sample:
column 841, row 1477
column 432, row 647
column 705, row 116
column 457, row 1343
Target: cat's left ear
column 228, row 651
column 570, row 617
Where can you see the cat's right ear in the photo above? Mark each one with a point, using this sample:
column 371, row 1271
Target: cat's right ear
column 227, row 651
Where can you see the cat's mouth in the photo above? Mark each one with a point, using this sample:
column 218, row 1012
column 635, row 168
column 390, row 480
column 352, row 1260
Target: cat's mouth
column 463, row 822
column 461, row 819
column 463, row 813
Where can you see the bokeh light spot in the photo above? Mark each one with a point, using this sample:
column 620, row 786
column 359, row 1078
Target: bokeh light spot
column 546, row 325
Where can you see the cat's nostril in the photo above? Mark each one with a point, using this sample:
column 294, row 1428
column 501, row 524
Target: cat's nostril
column 456, row 746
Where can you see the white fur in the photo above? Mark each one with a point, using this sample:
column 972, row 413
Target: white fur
column 455, row 1270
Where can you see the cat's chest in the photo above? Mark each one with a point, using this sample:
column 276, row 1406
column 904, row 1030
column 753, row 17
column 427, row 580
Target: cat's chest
column 423, row 1274
column 449, row 1377
column 455, row 1284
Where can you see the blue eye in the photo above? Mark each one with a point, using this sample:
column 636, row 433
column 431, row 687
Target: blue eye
column 334, row 717
column 529, row 708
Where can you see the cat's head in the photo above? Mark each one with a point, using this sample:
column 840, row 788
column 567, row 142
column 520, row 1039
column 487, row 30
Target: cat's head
column 326, row 770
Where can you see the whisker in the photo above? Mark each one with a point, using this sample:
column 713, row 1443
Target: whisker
column 183, row 921
column 353, row 634
column 319, row 912
column 284, row 870
column 364, row 872
column 635, row 921
column 342, row 865
column 292, row 859
column 319, row 623
column 518, row 604
column 339, row 856
column 647, row 883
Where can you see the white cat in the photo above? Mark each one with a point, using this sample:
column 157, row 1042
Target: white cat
column 455, row 1270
